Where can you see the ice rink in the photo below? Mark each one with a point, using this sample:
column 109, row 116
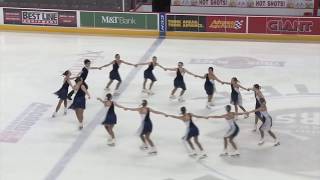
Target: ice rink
column 34, row 146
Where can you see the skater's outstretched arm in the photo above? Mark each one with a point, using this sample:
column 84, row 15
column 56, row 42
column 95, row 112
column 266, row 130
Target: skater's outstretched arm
column 141, row 64
column 69, row 82
column 243, row 87
column 197, row 116
column 190, row 73
column 170, row 69
column 132, row 109
column 118, row 105
column 202, row 77
column 222, row 116
column 102, row 101
column 173, row 116
column 84, row 89
column 224, row 82
column 127, row 63
column 95, row 68
column 161, row 66
column 216, row 78
column 156, row 112
column 106, row 65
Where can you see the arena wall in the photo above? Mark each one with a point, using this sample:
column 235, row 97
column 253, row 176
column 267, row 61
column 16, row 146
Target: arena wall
column 279, row 28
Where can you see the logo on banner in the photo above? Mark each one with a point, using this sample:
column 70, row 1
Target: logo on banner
column 217, row 24
column 117, row 20
column 162, row 22
column 289, row 25
column 38, row 17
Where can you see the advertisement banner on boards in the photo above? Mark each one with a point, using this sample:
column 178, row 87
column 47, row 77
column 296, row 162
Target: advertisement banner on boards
column 119, row 20
column 284, row 25
column 186, row 23
column 234, row 24
column 40, row 17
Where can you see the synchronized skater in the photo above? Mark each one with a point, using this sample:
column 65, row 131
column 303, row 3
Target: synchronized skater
column 232, row 132
column 83, row 74
column 79, row 101
column 209, row 85
column 111, row 118
column 114, row 73
column 267, row 122
column 192, row 131
column 62, row 93
column 258, row 95
column 146, row 127
column 148, row 74
column 236, row 98
column 179, row 81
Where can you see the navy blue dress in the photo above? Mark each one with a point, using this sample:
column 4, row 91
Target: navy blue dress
column 79, row 100
column 146, row 124
column 234, row 96
column 111, row 117
column 179, row 81
column 257, row 106
column 148, row 74
column 209, row 86
column 62, row 93
column 114, row 73
column 84, row 73
column 192, row 129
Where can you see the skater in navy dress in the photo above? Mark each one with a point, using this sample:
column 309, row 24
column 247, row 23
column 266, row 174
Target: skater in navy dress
column 192, row 131
column 179, row 81
column 266, row 122
column 236, row 98
column 232, row 132
column 258, row 95
column 79, row 101
column 209, row 85
column 62, row 93
column 111, row 118
column 145, row 129
column 83, row 74
column 114, row 73
column 148, row 74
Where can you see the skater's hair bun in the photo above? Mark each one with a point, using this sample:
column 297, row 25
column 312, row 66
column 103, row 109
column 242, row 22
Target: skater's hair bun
column 228, row 108
column 211, row 68
column 183, row 110
column 180, row 62
column 144, row 103
column 257, row 86
column 109, row 96
column 86, row 61
column 116, row 55
column 66, row 73
column 154, row 57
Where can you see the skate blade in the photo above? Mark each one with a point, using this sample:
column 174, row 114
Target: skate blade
column 152, row 153
column 277, row 144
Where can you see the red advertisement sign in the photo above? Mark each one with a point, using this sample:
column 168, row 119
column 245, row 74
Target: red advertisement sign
column 234, row 24
column 40, row 17
column 284, row 25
